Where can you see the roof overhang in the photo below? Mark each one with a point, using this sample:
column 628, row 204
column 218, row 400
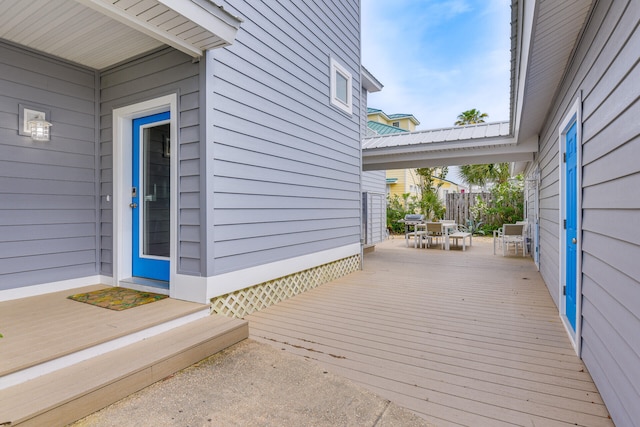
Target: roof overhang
column 489, row 150
column 544, row 35
column 479, row 143
column 369, row 82
column 101, row 33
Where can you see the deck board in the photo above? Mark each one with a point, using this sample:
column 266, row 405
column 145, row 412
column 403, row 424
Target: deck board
column 460, row 338
column 45, row 327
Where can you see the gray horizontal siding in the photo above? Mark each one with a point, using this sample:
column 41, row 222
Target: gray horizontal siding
column 163, row 72
column 375, row 223
column 286, row 163
column 48, row 212
column 606, row 69
column 375, row 181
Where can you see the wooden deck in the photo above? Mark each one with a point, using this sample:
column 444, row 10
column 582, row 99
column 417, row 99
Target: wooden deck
column 61, row 360
column 45, row 327
column 461, row 338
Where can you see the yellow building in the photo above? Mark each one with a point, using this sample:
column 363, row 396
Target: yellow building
column 402, row 181
column 405, row 122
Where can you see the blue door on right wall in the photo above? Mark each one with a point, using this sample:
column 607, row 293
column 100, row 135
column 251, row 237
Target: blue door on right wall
column 571, row 234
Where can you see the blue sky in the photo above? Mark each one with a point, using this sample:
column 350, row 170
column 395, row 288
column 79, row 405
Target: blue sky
column 437, row 58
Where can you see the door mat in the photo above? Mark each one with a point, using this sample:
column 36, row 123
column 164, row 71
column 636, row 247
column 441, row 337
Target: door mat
column 117, row 298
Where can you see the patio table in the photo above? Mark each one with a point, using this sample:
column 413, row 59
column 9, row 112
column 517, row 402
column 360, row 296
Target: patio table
column 446, row 228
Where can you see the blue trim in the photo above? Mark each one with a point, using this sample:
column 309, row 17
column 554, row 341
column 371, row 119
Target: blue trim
column 144, row 267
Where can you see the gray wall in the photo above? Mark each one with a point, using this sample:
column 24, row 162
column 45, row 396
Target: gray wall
column 605, row 68
column 161, row 73
column 286, row 163
column 48, row 204
column 374, row 184
column 374, row 181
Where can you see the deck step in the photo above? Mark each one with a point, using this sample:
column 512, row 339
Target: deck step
column 69, row 394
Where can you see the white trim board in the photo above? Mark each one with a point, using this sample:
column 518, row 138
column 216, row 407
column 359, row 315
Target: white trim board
column 47, row 288
column 202, row 289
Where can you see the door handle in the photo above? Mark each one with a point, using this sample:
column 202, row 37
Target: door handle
column 574, row 241
column 133, row 205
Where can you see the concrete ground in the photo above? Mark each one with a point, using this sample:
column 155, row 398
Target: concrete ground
column 253, row 384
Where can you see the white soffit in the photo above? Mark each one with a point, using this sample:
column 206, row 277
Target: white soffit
column 553, row 28
column 101, row 33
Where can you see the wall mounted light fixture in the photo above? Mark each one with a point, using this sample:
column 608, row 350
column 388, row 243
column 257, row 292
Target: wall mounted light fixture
column 39, row 128
column 34, row 123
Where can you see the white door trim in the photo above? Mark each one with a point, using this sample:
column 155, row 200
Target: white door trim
column 574, row 115
column 122, row 181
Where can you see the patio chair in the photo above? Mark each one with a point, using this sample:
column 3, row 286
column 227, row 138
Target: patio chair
column 497, row 235
column 497, row 239
column 434, row 231
column 513, row 234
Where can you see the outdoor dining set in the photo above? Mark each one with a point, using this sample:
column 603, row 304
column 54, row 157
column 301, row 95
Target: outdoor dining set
column 425, row 233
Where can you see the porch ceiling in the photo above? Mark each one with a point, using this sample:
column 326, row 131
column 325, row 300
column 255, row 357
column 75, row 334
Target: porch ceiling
column 101, row 33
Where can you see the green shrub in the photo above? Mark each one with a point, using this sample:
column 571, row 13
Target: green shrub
column 396, row 211
column 506, row 206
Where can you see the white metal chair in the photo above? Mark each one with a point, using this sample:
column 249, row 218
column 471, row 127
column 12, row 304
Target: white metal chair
column 497, row 239
column 513, row 234
column 433, row 231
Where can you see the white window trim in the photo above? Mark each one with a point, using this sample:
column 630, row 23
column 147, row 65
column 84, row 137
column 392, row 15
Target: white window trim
column 337, row 68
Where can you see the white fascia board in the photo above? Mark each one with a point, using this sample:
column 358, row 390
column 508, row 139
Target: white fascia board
column 431, row 161
column 144, row 27
column 207, row 15
column 526, row 19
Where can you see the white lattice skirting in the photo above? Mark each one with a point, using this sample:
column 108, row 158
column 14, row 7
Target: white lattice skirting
column 246, row 301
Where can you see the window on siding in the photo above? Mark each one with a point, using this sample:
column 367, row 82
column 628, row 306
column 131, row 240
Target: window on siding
column 396, row 124
column 341, row 87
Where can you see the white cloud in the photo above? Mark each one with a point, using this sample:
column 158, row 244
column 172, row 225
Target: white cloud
column 425, row 59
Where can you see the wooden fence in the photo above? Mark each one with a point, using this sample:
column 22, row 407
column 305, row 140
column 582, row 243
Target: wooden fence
column 458, row 205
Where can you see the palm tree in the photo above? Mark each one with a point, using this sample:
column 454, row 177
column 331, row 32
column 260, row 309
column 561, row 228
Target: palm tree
column 480, row 175
column 470, row 117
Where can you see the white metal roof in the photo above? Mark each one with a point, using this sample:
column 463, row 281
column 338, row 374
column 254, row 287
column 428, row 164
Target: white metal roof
column 100, row 33
column 436, row 136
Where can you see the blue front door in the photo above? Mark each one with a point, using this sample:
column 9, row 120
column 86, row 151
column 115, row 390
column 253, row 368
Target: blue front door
column 571, row 234
column 151, row 197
